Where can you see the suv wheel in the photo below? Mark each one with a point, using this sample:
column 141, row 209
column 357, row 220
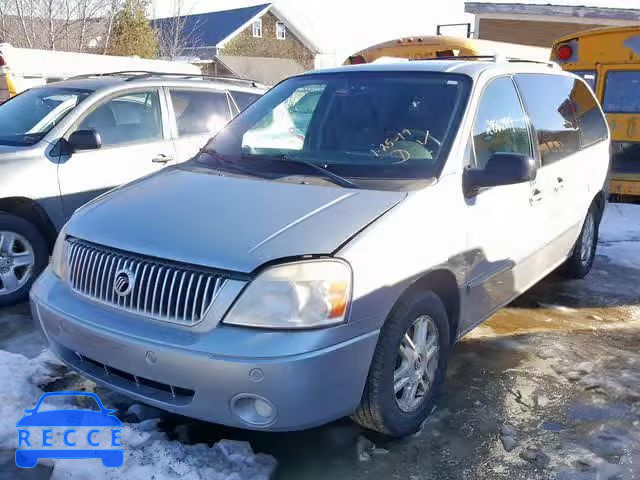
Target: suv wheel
column 408, row 367
column 23, row 255
column 580, row 262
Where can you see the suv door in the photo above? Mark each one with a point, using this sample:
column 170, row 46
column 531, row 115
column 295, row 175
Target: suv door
column 196, row 116
column 567, row 121
column 503, row 222
column 134, row 143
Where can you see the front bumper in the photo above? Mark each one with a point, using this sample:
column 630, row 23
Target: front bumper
column 308, row 379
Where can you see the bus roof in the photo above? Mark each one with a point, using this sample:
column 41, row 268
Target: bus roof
column 470, row 46
column 599, row 31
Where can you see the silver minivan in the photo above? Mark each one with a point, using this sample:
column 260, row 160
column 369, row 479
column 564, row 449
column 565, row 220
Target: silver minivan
column 321, row 261
column 64, row 143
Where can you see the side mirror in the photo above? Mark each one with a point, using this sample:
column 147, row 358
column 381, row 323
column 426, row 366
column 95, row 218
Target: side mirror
column 84, row 140
column 501, row 169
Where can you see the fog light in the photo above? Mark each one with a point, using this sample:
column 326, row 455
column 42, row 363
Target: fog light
column 253, row 409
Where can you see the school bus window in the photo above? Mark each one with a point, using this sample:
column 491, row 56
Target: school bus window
column 589, row 76
column 622, row 92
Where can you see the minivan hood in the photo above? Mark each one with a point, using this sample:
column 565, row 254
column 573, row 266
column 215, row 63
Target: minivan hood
column 234, row 224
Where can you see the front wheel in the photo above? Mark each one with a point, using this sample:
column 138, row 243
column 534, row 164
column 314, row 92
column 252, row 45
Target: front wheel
column 408, row 367
column 23, row 255
column 580, row 262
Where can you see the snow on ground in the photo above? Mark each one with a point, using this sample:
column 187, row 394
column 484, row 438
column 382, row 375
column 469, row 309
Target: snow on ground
column 148, row 453
column 620, row 234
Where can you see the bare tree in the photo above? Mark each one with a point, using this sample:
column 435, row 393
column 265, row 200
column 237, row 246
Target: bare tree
column 177, row 33
column 114, row 6
column 53, row 24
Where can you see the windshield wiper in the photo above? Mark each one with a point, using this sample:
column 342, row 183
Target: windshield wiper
column 323, row 169
column 226, row 161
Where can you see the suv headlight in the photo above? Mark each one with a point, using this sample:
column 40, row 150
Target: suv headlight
column 305, row 294
column 59, row 255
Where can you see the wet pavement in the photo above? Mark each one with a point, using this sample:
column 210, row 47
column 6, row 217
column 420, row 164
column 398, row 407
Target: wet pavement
column 548, row 388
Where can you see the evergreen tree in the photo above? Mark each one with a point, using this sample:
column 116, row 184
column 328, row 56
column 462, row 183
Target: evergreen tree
column 132, row 33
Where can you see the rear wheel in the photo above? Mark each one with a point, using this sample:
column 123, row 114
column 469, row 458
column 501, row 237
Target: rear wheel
column 23, row 255
column 580, row 262
column 408, row 367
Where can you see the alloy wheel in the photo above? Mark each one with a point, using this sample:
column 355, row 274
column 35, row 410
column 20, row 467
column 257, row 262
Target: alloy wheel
column 416, row 364
column 588, row 234
column 16, row 261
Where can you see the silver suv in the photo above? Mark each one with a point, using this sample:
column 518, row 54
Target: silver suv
column 64, row 143
column 321, row 261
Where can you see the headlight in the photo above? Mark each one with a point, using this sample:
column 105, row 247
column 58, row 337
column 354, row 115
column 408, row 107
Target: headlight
column 59, row 255
column 306, row 294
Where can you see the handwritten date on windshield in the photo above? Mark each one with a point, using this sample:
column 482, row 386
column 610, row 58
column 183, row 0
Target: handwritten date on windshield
column 390, row 147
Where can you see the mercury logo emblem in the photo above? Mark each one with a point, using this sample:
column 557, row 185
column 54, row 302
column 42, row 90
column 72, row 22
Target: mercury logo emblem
column 123, row 282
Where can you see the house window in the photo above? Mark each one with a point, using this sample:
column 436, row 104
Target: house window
column 281, row 31
column 257, row 28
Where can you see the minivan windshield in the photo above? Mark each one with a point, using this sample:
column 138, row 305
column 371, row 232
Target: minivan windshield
column 364, row 126
column 27, row 118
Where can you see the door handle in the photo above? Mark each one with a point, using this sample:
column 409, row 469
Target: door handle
column 559, row 184
column 536, row 196
column 162, row 158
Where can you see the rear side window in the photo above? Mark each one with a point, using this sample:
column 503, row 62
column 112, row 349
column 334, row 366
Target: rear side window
column 200, row 112
column 548, row 99
column 591, row 122
column 244, row 99
column 622, row 92
column 500, row 125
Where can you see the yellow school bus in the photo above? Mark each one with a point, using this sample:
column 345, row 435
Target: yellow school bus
column 435, row 46
column 609, row 60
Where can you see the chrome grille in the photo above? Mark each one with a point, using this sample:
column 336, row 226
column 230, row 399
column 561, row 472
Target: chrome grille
column 164, row 291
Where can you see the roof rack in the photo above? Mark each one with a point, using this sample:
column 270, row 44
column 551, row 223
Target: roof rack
column 494, row 58
column 144, row 74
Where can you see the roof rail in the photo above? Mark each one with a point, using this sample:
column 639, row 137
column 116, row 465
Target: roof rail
column 494, row 58
column 144, row 74
column 461, row 57
column 109, row 74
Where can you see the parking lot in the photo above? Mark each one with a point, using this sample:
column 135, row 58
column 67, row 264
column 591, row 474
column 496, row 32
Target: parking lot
column 548, row 388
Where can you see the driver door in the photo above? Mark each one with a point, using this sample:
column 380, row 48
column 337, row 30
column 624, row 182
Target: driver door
column 135, row 142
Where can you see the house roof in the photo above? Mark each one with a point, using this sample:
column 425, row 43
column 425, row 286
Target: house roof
column 561, row 7
column 268, row 71
column 215, row 29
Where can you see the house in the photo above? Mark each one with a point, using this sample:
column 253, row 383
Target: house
column 257, row 42
column 71, row 35
column 539, row 25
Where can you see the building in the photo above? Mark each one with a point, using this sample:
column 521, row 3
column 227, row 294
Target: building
column 540, row 25
column 70, row 35
column 257, row 42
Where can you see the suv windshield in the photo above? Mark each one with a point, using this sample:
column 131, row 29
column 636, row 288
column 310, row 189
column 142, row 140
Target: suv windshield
column 366, row 126
column 28, row 117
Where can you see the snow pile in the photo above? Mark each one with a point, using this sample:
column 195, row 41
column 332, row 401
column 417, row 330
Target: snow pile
column 620, row 234
column 148, row 452
column 20, row 378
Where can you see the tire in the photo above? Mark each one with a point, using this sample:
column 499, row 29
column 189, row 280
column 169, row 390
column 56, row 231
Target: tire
column 381, row 409
column 18, row 239
column 580, row 262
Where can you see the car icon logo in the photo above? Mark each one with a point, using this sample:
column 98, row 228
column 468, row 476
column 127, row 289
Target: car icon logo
column 69, row 433
column 123, row 282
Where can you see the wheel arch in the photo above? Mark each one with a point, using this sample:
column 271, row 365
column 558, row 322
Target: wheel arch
column 600, row 200
column 442, row 282
column 32, row 212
